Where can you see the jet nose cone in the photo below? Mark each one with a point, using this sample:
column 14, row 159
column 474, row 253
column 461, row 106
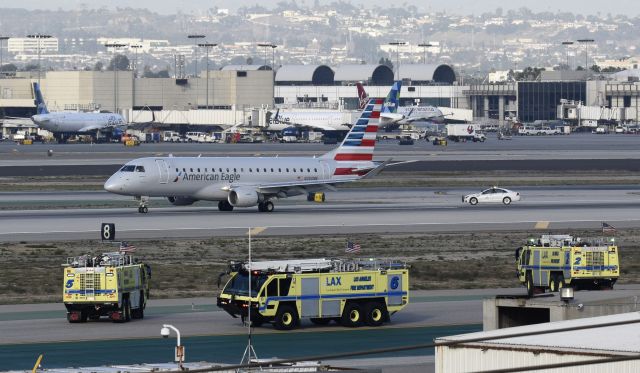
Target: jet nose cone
column 113, row 185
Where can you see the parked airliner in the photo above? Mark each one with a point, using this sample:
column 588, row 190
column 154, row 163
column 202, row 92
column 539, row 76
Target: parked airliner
column 320, row 119
column 252, row 181
column 66, row 123
column 393, row 114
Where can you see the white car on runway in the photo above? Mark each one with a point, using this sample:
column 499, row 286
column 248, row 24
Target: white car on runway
column 492, row 195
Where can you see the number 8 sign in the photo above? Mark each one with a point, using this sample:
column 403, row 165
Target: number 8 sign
column 108, row 231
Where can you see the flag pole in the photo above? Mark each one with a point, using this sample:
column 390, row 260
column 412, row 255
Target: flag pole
column 249, row 352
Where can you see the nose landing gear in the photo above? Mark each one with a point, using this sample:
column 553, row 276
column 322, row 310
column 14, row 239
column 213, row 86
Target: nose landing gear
column 143, row 201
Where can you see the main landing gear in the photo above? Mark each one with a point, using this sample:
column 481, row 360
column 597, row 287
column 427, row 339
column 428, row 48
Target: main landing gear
column 143, row 201
column 266, row 206
column 225, row 206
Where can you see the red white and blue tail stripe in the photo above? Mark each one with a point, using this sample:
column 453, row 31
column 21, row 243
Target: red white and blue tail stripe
column 354, row 157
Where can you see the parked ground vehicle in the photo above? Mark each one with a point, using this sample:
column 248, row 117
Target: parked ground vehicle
column 109, row 284
column 198, row 137
column 352, row 292
column 492, row 195
column 130, row 140
column 170, row 136
column 554, row 261
column 465, row 132
column 537, row 131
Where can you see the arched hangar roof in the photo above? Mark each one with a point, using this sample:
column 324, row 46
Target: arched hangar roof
column 428, row 73
column 304, row 75
column 369, row 74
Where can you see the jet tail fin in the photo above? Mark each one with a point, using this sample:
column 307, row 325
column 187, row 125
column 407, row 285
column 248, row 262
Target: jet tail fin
column 392, row 101
column 41, row 107
column 354, row 156
column 363, row 97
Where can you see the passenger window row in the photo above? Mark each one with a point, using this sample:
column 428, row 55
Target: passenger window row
column 235, row 169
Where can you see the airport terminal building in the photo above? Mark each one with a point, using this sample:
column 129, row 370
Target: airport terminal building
column 242, row 94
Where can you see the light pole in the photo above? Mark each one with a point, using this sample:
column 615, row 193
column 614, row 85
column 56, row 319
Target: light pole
column 273, row 58
column 135, row 58
column 39, row 37
column 195, row 38
column 586, row 43
column 2, row 39
column 424, row 51
column 567, row 45
column 398, row 44
column 207, row 46
column 165, row 332
column 115, row 73
column 266, row 46
column 249, row 353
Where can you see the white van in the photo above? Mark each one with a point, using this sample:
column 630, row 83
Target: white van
column 170, row 136
column 198, row 137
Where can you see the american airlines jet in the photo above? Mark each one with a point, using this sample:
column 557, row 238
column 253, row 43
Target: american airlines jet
column 252, row 181
column 394, row 114
column 65, row 123
column 324, row 120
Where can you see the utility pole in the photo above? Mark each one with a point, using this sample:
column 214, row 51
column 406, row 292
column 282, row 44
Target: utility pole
column 398, row 44
column 39, row 37
column 115, row 73
column 207, row 46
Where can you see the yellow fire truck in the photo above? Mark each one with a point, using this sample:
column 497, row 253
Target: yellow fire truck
column 110, row 284
column 554, row 261
column 350, row 292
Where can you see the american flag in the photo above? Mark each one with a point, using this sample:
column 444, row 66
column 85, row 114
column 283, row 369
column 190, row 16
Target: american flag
column 352, row 247
column 125, row 247
column 608, row 228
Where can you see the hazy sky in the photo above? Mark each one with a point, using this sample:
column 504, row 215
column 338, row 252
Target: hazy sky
column 628, row 7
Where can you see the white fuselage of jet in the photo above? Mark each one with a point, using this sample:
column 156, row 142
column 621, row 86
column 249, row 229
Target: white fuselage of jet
column 75, row 122
column 328, row 120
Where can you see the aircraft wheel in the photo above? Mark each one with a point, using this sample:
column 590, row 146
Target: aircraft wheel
column 143, row 209
column 268, row 206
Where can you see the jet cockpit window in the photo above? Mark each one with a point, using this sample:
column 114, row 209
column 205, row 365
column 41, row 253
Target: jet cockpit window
column 139, row 168
column 128, row 168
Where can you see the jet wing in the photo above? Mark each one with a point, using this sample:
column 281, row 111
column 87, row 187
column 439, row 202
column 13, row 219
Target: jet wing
column 92, row 127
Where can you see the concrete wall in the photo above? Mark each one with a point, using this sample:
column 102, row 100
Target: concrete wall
column 584, row 304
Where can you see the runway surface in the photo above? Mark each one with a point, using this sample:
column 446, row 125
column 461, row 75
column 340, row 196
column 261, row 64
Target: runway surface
column 351, row 211
column 213, row 335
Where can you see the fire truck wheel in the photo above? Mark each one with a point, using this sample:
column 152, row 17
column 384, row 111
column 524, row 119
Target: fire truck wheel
column 530, row 287
column 375, row 314
column 126, row 309
column 320, row 321
column 352, row 315
column 286, row 317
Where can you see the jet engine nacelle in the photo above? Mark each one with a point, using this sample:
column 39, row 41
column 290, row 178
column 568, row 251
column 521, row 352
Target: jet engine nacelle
column 181, row 201
column 244, row 197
